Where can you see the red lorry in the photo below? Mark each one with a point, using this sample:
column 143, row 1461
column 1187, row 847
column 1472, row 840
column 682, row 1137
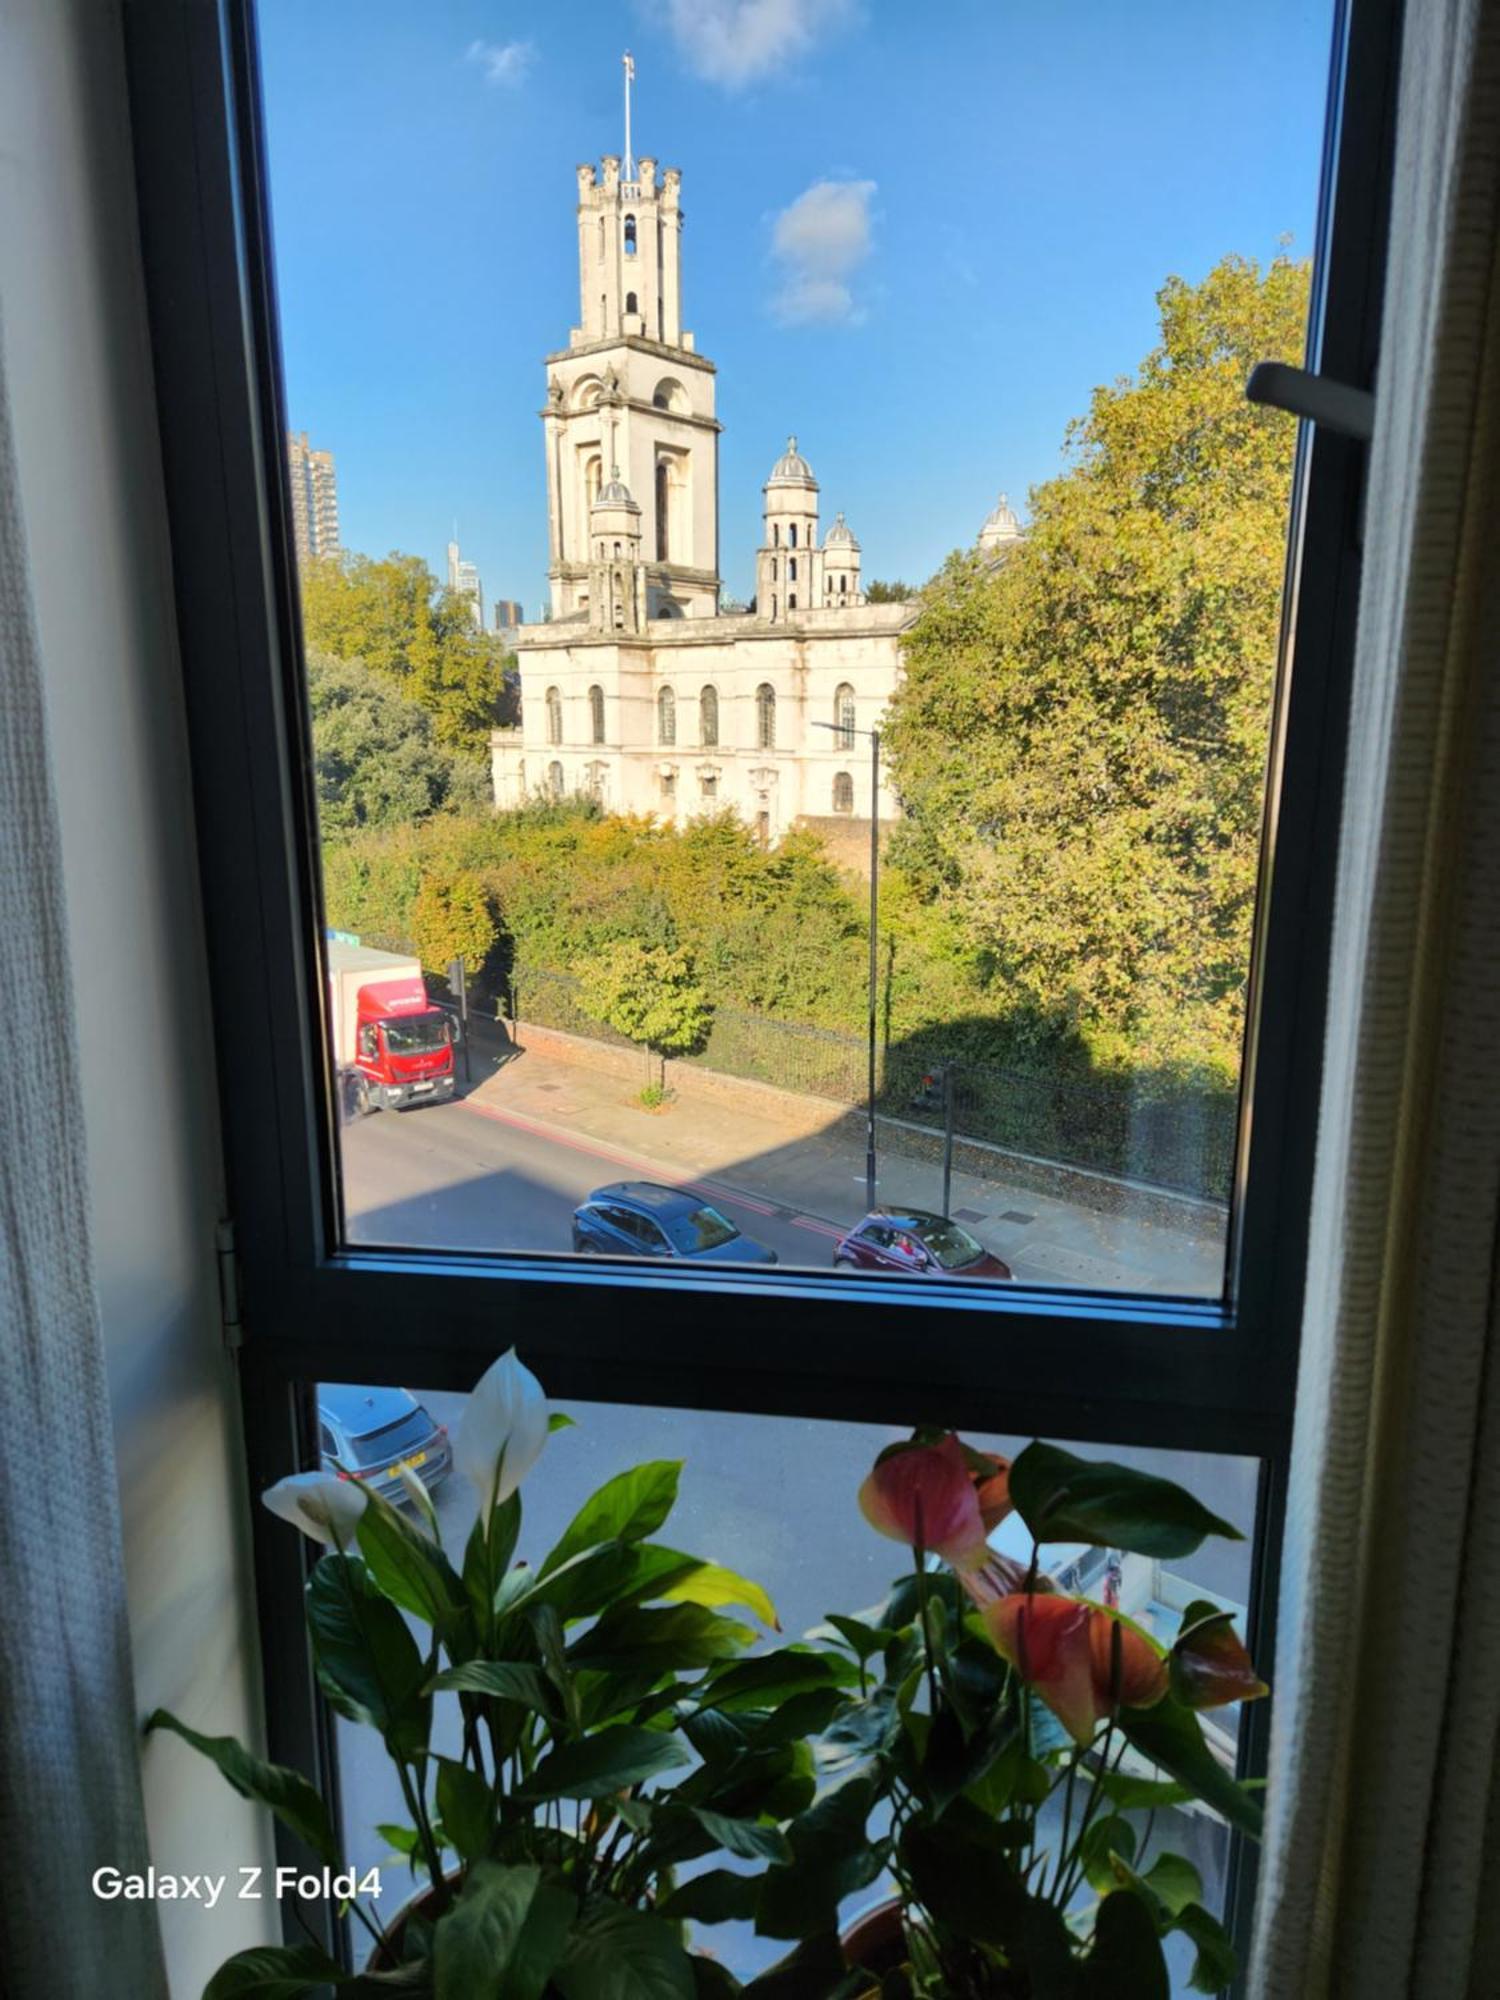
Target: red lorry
column 393, row 1047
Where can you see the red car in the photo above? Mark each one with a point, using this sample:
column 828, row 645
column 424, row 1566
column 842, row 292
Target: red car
column 915, row 1240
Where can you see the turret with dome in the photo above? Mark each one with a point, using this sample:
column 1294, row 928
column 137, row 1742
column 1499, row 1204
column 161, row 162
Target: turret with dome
column 792, row 574
column 1001, row 531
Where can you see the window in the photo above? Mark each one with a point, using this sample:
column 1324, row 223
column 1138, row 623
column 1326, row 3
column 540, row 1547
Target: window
column 843, row 585
column 843, row 792
column 791, row 600
column 708, row 784
column 791, row 535
column 630, row 303
column 843, row 716
column 669, row 787
column 666, row 716
column 630, row 247
column 1199, row 1353
column 765, row 716
column 708, row 718
column 663, row 504
column 791, row 569
column 596, row 714
column 773, row 569
column 775, row 535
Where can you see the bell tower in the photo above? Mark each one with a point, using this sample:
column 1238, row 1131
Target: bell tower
column 630, row 391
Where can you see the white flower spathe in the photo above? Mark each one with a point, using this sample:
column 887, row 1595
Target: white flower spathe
column 321, row 1505
column 502, row 1430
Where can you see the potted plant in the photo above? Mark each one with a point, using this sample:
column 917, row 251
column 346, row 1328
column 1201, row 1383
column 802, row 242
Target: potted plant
column 613, row 1728
column 980, row 1755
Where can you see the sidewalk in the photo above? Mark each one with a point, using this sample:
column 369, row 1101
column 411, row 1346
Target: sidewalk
column 819, row 1178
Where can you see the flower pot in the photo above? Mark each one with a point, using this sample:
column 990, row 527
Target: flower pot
column 876, row 1940
column 387, row 1957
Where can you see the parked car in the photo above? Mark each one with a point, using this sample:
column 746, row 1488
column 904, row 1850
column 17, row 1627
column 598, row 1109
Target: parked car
column 369, row 1434
column 644, row 1219
column 915, row 1240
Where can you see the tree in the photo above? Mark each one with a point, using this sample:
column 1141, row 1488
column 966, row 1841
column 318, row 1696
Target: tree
column 419, row 638
column 452, row 918
column 1080, row 735
column 894, row 592
column 648, row 992
column 375, row 758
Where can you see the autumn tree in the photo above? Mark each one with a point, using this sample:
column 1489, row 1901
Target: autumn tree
column 1080, row 736
column 894, row 592
column 375, row 756
column 648, row 993
column 420, row 638
column 452, row 918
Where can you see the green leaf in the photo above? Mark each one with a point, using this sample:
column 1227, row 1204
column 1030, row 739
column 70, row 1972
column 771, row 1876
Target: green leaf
column 771, row 1678
column 466, row 1807
column 547, row 1629
column 1216, row 1963
column 273, row 1972
column 713, row 1981
column 747, row 1838
column 504, row 1937
column 832, row 1857
column 604, row 1763
column 718, row 1896
column 487, row 1558
column 1174, row 1881
column 1126, row 1956
column 864, row 1640
column 619, row 1954
column 617, row 1574
column 1133, row 1794
column 1172, row 1737
column 287, row 1793
column 559, row 1420
column 816, row 1970
column 511, row 1680
column 665, row 1638
column 712, row 1585
column 364, row 1646
column 1064, row 1498
column 626, row 1508
column 412, row 1571
column 1107, row 1839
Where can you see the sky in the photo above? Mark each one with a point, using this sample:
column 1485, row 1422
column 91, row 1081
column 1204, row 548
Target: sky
column 917, row 235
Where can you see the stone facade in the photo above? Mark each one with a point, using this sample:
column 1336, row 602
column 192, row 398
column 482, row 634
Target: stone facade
column 637, row 691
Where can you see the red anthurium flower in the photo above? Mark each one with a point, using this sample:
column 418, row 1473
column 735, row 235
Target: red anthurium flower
column 1211, row 1667
column 1069, row 1653
column 992, row 1490
column 923, row 1495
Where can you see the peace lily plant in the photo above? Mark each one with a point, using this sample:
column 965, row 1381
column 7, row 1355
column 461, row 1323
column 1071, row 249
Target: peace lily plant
column 614, row 1732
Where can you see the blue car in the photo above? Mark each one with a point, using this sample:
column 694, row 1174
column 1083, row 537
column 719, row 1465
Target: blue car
column 643, row 1219
column 369, row 1434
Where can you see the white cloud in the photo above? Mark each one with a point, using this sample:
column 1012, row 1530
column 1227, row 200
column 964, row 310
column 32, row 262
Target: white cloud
column 502, row 62
column 820, row 241
column 735, row 42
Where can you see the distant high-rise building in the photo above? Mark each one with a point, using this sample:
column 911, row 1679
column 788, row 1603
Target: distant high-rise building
column 463, row 578
column 315, row 499
column 508, row 614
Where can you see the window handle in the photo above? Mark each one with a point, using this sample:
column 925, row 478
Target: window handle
column 1335, row 405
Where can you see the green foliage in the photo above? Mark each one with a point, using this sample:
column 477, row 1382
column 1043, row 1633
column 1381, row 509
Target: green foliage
column 451, row 918
column 1064, row 1498
column 419, row 639
column 1080, row 736
column 647, row 992
column 893, row 592
column 376, row 758
column 286, row 1793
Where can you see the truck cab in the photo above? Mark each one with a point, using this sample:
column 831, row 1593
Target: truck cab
column 393, row 1047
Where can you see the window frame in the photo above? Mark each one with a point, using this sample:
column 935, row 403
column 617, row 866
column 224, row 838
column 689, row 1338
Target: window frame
column 1213, row 1375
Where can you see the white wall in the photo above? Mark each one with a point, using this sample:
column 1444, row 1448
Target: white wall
column 79, row 372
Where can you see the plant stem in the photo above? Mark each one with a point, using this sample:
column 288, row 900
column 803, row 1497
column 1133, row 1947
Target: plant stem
column 922, row 1587
column 1062, row 1848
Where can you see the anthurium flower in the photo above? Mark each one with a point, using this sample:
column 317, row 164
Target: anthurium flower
column 1083, row 1662
column 319, row 1503
column 1210, row 1665
column 992, row 1488
column 501, row 1432
column 924, row 1495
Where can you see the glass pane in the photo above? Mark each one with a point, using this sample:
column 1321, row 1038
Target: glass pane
column 775, row 1501
column 676, row 672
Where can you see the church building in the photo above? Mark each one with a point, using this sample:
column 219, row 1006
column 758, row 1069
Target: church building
column 637, row 690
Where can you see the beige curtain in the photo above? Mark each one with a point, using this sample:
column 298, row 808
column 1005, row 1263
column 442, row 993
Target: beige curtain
column 70, row 1788
column 1381, row 1871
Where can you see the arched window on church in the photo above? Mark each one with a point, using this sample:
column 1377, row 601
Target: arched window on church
column 601, row 239
column 775, row 534
column 765, row 716
column 663, row 496
column 843, row 792
column 555, row 780
column 773, row 569
column 791, row 569
column 630, row 240
column 843, row 715
column 791, row 601
column 843, row 585
column 708, row 718
column 630, row 303
column 791, row 536
column 554, row 715
column 666, row 716
column 596, row 713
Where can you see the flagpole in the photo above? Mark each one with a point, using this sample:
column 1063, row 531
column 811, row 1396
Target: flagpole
column 629, row 73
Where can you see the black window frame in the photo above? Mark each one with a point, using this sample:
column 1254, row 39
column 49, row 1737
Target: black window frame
column 1211, row 1375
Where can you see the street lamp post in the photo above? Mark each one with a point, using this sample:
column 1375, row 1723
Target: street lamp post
column 847, row 735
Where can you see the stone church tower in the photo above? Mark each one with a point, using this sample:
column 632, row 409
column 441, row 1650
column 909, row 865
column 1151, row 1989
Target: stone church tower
column 632, row 439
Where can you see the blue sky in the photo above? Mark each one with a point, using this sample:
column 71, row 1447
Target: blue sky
column 917, row 234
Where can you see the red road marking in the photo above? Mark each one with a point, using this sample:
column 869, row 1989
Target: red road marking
column 652, row 1169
